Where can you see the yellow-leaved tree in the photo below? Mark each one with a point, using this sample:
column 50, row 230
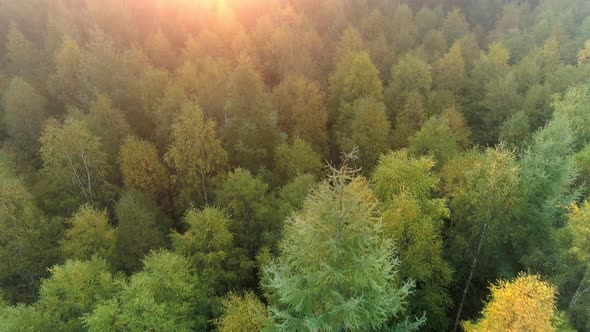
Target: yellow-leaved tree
column 526, row 303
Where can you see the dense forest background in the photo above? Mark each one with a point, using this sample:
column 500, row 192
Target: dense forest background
column 333, row 165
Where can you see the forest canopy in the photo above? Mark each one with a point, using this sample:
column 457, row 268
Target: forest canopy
column 295, row 165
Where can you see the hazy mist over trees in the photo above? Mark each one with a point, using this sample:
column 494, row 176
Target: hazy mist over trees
column 295, row 165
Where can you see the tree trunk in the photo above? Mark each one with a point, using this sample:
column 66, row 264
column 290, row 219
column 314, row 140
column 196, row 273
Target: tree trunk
column 579, row 291
column 468, row 281
column 203, row 187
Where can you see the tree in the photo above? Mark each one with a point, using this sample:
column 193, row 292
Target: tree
column 165, row 111
column 301, row 109
column 142, row 169
column 245, row 198
column 547, row 173
column 28, row 242
column 434, row 46
column 142, row 227
column 208, row 245
column 23, row 114
column 573, row 107
column 103, row 70
column 351, row 41
column 355, row 77
column 75, row 164
column 435, row 138
column 64, row 83
column 525, row 303
column 364, row 125
column 409, row 75
column 164, row 296
column 89, row 235
column 108, row 123
column 251, row 126
column 515, row 133
column 584, row 53
column 242, row 313
column 582, row 182
column 537, row 105
column 74, row 290
column 22, row 318
column 287, row 44
column 211, row 77
column 196, row 154
column 296, row 159
column 458, row 126
column 292, row 195
column 578, row 226
column 501, row 100
column 160, row 51
column 483, row 194
column 24, row 59
column 413, row 219
column 455, row 26
column 449, row 71
column 335, row 270
column 409, row 119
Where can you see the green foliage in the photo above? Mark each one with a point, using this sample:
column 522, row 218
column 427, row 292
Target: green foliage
column 410, row 74
column 22, row 318
column 583, row 171
column 74, row 290
column 449, row 71
column 64, row 83
column 409, row 119
column 483, row 192
column 164, row 296
column 355, row 77
column 23, row 114
column 573, row 107
column 28, row 244
column 413, row 220
column 23, row 57
column 301, row 108
column 141, row 169
column 208, row 244
column 501, row 100
column 547, row 172
column 243, row 313
column 142, row 226
column 89, row 235
column 196, row 154
column 335, row 270
column 296, row 159
column 109, row 124
column 437, row 139
column 74, row 164
column 397, row 172
column 103, row 70
column 578, row 225
column 251, row 125
column 455, row 26
column 202, row 127
column 515, row 133
column 364, row 125
column 246, row 200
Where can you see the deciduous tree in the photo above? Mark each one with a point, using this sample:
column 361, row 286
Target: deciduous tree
column 142, row 227
column 196, row 154
column 526, row 303
column 75, row 165
column 90, row 234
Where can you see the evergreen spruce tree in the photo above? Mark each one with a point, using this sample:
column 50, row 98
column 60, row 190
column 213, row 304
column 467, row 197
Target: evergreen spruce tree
column 335, row 271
